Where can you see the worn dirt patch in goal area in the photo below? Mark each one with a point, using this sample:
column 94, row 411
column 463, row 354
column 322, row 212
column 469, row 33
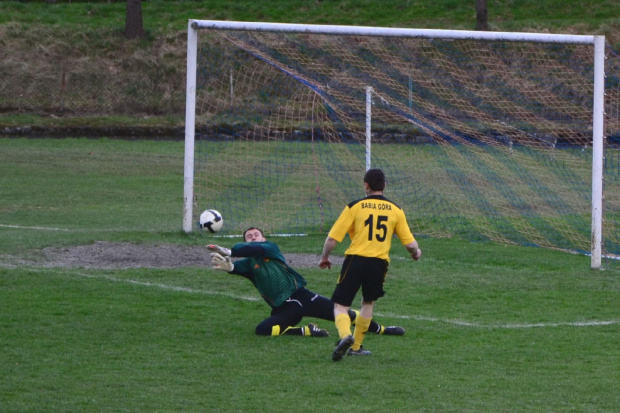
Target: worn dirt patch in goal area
column 111, row 255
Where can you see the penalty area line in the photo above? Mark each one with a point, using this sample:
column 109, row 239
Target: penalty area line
column 459, row 323
column 72, row 229
column 37, row 228
column 166, row 287
column 63, row 229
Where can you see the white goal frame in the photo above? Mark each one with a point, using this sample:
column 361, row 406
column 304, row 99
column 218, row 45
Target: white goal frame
column 597, row 116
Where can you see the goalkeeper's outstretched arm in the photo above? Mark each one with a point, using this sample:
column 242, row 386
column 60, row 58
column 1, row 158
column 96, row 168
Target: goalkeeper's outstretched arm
column 220, row 250
column 221, row 263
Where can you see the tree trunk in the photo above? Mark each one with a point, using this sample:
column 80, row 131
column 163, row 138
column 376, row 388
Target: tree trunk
column 133, row 20
column 482, row 17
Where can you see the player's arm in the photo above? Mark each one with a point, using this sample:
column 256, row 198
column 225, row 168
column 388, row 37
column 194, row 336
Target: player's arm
column 239, row 267
column 406, row 237
column 336, row 234
column 414, row 250
column 225, row 252
column 248, row 249
column 222, row 263
column 328, row 247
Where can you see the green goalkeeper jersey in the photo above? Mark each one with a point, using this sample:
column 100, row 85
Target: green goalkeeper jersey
column 265, row 266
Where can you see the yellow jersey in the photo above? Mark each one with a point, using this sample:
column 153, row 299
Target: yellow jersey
column 371, row 223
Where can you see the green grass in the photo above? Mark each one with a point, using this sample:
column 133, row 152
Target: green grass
column 490, row 328
column 86, row 340
column 88, row 187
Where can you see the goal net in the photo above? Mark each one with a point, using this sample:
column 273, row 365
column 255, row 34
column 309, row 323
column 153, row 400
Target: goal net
column 480, row 138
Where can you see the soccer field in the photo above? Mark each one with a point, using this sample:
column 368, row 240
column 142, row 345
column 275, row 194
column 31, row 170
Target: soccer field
column 490, row 327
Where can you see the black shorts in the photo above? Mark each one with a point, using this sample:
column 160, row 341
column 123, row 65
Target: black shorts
column 360, row 272
column 303, row 303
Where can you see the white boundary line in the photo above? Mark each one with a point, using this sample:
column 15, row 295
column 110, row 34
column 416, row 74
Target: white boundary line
column 38, row 228
column 74, row 229
column 459, row 323
column 167, row 287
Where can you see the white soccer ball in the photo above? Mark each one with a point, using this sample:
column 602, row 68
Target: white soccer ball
column 211, row 220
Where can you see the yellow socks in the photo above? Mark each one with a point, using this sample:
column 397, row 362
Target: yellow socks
column 361, row 327
column 291, row 331
column 343, row 324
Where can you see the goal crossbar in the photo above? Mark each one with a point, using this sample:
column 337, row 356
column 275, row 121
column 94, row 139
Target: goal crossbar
column 392, row 32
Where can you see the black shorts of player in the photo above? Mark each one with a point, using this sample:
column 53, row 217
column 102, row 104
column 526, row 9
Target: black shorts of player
column 303, row 303
column 360, row 272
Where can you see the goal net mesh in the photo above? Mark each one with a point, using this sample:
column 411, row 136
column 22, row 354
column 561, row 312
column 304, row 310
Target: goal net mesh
column 485, row 140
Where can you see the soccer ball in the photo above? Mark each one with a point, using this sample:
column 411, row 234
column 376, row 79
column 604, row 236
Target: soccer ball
column 211, row 220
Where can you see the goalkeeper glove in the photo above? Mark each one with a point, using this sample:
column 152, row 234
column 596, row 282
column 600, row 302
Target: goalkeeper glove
column 221, row 263
column 220, row 250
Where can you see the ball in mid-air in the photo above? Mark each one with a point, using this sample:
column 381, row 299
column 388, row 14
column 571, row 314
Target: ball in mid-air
column 211, row 220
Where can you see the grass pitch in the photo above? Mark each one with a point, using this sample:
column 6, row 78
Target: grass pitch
column 490, row 328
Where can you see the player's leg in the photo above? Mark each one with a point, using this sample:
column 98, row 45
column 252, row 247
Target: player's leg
column 284, row 320
column 378, row 328
column 349, row 283
column 310, row 330
column 389, row 330
column 343, row 324
column 372, row 290
column 361, row 327
column 311, row 304
column 318, row 306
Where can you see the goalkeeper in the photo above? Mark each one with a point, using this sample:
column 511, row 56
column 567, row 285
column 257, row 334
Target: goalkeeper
column 282, row 288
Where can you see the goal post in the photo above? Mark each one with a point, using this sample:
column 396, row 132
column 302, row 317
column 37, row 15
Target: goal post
column 598, row 118
column 190, row 128
column 467, row 103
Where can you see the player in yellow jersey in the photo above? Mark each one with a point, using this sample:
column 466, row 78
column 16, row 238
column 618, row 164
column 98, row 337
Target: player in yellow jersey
column 371, row 223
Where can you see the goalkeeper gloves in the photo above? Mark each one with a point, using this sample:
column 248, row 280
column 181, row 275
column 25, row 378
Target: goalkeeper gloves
column 221, row 263
column 220, row 250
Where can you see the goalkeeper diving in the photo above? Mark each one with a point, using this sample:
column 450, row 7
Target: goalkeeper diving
column 283, row 288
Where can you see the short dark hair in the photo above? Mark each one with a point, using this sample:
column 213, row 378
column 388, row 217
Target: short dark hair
column 375, row 178
column 251, row 228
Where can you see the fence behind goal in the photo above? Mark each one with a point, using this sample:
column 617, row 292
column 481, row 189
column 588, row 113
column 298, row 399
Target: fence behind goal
column 480, row 139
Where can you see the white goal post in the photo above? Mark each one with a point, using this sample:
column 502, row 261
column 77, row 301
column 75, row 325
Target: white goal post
column 598, row 131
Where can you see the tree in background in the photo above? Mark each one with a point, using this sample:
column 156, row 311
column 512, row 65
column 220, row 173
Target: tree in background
column 482, row 15
column 133, row 21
